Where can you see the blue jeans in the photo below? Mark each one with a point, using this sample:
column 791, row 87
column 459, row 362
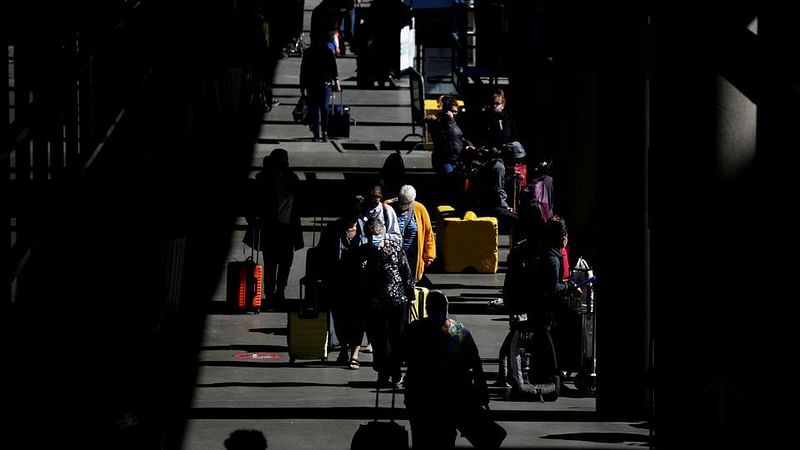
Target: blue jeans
column 319, row 106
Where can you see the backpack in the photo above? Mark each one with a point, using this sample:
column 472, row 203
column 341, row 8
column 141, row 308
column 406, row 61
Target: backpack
column 522, row 261
column 537, row 197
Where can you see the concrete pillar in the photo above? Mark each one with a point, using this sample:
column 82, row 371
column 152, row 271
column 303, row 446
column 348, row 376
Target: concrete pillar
column 712, row 226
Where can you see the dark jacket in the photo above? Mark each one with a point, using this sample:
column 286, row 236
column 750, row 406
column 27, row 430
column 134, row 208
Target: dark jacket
column 338, row 258
column 318, row 67
column 448, row 140
column 386, row 277
column 497, row 129
column 444, row 366
column 549, row 286
column 277, row 212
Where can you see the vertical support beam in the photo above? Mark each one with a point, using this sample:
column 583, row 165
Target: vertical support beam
column 22, row 158
column 5, row 183
column 621, row 328
column 22, row 109
column 711, row 269
column 72, row 159
column 86, row 118
column 43, row 105
column 55, row 122
column 778, row 118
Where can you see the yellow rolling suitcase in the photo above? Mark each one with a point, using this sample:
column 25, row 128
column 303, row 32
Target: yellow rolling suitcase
column 416, row 310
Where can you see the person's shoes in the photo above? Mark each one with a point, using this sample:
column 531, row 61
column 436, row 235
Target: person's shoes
column 398, row 381
column 502, row 383
column 383, row 381
column 315, row 139
column 496, row 304
column 354, row 364
column 324, row 137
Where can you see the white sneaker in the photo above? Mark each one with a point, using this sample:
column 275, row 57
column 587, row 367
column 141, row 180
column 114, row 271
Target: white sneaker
column 496, row 303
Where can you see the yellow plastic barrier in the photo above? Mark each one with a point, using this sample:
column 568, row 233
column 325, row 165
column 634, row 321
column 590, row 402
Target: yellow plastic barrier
column 469, row 242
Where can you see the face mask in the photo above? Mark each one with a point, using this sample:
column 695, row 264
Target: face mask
column 376, row 241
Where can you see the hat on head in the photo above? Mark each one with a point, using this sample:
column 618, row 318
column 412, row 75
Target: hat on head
column 515, row 150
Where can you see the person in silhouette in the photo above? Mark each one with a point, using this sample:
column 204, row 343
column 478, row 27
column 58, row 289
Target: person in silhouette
column 279, row 221
column 444, row 376
column 386, row 19
column 319, row 76
column 392, row 174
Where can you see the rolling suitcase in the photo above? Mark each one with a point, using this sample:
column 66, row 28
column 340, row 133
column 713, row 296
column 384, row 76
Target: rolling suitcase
column 416, row 310
column 339, row 120
column 308, row 327
column 308, row 336
column 384, row 435
column 244, row 283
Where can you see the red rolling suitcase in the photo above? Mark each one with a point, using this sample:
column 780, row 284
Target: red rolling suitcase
column 245, row 280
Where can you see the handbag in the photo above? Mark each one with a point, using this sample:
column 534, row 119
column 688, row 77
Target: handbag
column 480, row 429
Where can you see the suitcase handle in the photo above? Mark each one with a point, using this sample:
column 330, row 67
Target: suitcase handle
column 378, row 396
column 333, row 99
column 255, row 250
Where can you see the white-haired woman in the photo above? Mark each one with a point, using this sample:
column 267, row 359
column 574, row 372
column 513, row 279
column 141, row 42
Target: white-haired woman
column 419, row 243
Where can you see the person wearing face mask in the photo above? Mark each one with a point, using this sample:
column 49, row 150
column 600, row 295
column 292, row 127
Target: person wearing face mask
column 374, row 208
column 339, row 265
column 418, row 243
column 497, row 128
column 451, row 153
column 549, row 284
column 444, row 380
column 387, row 285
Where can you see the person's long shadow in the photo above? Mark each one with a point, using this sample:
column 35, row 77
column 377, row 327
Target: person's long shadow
column 604, row 438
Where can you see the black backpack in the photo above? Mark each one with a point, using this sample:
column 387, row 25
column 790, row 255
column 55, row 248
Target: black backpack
column 517, row 287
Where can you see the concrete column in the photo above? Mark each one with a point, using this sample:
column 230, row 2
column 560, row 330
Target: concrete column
column 710, row 217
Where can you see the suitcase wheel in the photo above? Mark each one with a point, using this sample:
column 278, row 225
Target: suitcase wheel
column 553, row 396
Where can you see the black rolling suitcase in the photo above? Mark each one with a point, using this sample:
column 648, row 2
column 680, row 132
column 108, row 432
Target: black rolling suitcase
column 339, row 120
column 384, row 435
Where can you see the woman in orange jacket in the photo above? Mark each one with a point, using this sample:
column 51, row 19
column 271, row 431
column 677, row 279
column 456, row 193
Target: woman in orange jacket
column 419, row 242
